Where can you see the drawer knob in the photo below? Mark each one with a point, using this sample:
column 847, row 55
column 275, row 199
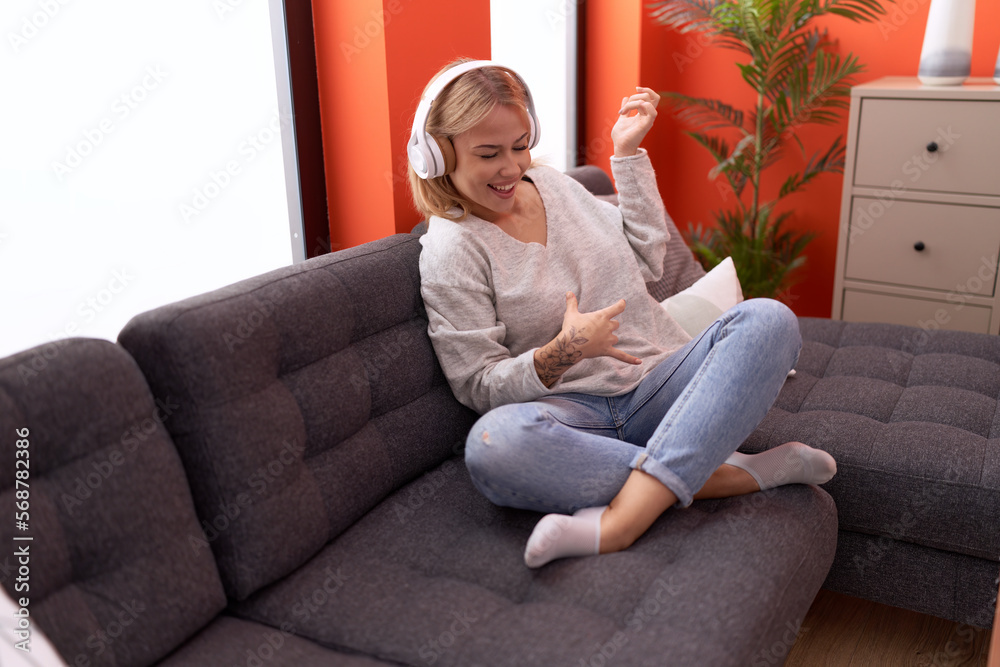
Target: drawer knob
column 932, row 147
column 919, row 246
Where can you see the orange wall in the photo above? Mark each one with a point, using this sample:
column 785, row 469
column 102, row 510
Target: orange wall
column 373, row 58
column 671, row 61
column 429, row 35
column 351, row 65
column 612, row 71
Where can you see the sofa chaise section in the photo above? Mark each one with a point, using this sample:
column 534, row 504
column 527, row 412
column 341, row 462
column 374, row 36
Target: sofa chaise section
column 912, row 418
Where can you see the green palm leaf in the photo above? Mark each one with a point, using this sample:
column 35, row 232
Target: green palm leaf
column 855, row 10
column 736, row 171
column 685, row 15
column 703, row 113
column 798, row 78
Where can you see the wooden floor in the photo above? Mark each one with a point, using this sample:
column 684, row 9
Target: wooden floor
column 842, row 631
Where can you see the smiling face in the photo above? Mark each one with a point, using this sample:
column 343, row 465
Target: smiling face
column 490, row 159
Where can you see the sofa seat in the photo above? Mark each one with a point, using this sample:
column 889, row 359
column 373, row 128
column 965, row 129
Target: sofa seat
column 434, row 575
column 911, row 417
column 232, row 641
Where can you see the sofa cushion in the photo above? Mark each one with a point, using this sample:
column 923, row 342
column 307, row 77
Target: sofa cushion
column 949, row 585
column 435, row 575
column 306, row 395
column 110, row 582
column 911, row 417
column 698, row 306
column 232, row 641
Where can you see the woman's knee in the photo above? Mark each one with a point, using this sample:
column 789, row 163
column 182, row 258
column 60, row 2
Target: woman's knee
column 496, row 438
column 500, row 451
column 775, row 319
column 772, row 324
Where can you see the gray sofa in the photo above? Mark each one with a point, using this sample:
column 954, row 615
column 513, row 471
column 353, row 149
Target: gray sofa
column 271, row 474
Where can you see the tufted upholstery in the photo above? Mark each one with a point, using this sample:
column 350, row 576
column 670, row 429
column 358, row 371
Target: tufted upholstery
column 324, row 475
column 435, row 575
column 911, row 417
column 109, row 580
column 304, row 401
column 321, row 448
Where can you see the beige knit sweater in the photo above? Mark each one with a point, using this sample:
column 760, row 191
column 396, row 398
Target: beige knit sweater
column 492, row 300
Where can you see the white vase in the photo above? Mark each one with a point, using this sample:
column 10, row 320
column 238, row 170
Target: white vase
column 946, row 57
column 996, row 70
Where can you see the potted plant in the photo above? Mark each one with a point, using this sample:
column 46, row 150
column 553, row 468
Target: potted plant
column 796, row 78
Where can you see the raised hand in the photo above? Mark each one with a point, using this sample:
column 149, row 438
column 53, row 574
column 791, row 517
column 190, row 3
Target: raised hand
column 635, row 118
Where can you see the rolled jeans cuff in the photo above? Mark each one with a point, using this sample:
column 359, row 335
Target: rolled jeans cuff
column 665, row 476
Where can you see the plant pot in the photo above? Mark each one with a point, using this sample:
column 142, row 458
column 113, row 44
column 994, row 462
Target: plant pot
column 946, row 56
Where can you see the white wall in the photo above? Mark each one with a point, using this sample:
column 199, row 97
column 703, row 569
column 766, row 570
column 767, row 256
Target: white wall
column 537, row 39
column 140, row 160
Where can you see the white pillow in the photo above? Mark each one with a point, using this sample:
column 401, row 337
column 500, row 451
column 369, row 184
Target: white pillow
column 701, row 304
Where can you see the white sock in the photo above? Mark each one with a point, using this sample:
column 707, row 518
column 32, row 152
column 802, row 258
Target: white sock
column 790, row 463
column 561, row 535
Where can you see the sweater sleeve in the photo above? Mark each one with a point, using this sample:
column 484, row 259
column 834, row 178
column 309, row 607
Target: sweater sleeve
column 643, row 213
column 467, row 337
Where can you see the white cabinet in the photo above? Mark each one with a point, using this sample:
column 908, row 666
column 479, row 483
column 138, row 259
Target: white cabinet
column 919, row 239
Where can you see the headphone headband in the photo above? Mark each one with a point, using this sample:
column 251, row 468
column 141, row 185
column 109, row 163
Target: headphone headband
column 424, row 150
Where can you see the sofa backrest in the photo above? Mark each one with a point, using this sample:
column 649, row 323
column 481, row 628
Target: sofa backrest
column 103, row 497
column 306, row 396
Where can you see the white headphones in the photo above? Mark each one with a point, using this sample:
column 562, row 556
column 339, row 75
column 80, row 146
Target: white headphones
column 429, row 157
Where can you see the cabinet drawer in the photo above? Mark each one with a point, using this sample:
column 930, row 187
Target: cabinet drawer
column 861, row 306
column 893, row 136
column 960, row 245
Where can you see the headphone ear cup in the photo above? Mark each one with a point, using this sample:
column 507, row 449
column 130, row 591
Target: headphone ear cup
column 536, row 133
column 447, row 153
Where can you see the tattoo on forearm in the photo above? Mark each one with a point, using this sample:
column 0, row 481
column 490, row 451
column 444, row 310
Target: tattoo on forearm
column 555, row 359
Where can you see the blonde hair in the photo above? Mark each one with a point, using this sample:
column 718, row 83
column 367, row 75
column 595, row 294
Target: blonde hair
column 462, row 105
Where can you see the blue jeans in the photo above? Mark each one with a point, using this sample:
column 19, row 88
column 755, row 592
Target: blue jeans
column 685, row 418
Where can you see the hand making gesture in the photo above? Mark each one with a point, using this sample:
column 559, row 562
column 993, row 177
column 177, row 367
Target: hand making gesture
column 583, row 336
column 635, row 118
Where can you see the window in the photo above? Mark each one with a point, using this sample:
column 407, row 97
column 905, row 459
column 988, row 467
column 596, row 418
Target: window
column 143, row 159
column 538, row 39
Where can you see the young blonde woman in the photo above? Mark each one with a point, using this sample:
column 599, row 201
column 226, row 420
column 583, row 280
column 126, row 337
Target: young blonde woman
column 596, row 406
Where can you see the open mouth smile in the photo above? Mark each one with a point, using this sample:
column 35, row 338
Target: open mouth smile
column 502, row 190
